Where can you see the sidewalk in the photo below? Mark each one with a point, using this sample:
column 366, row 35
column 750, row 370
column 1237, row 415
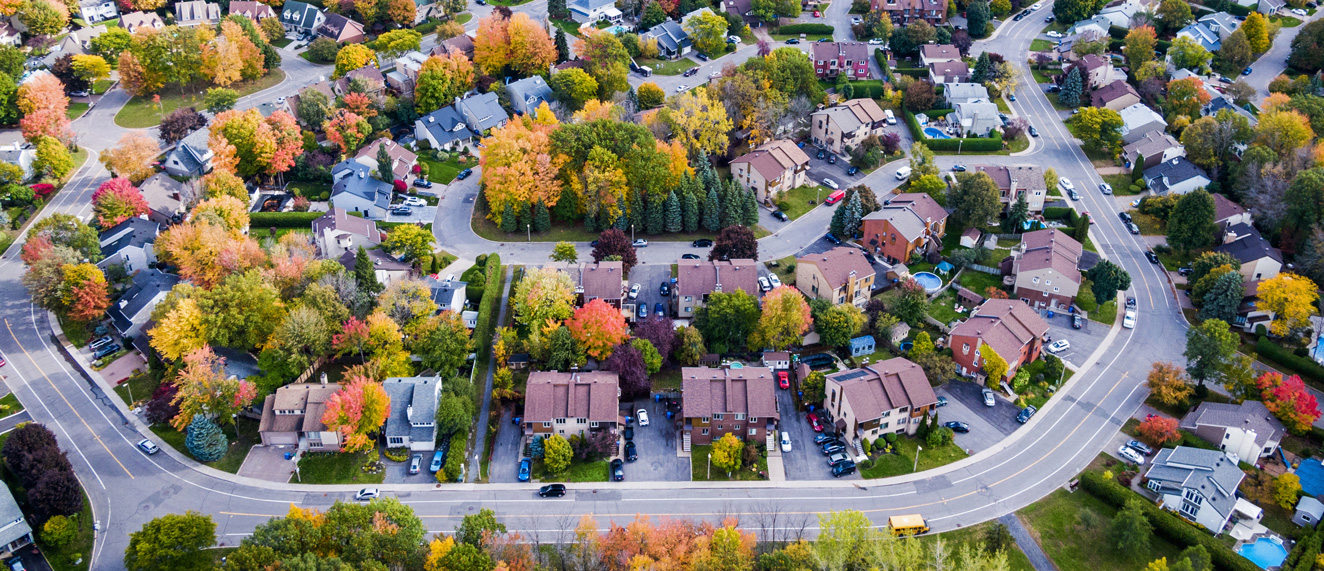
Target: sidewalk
column 1026, row 542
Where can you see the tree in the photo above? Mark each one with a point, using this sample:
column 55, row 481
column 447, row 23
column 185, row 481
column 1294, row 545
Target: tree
column 574, row 87
column 650, row 95
column 84, row 292
column 613, row 242
column 698, row 120
column 977, row 14
column 734, row 243
column 411, row 241
column 1283, row 131
column 57, row 531
column 441, row 79
column 1212, row 141
column 910, row 304
column 1209, row 346
column 1257, row 32
column 727, row 320
column 628, row 363
column 474, row 529
column 117, row 200
column 1159, row 430
column 355, row 411
column 446, row 344
column 1189, row 54
column 43, row 17
column 1224, row 297
column 1173, row 15
column 1291, row 298
column 995, row 367
column 1100, row 129
column 174, row 127
column 1017, row 215
column 172, row 542
column 919, row 95
column 1072, row 11
column 974, row 199
column 606, row 61
column 543, row 295
column 1140, row 43
column 1191, row 225
column 837, row 325
column 352, row 57
column 1072, row 88
column 205, row 441
column 220, row 99
column 111, row 43
column 519, row 168
column 204, row 389
column 1235, row 54
column 1130, row 530
column 1286, row 490
column 725, row 453
column 556, row 454
column 91, row 68
column 784, row 320
column 53, row 158
column 245, row 143
column 1308, row 48
column 1289, row 401
column 1168, row 383
column 598, row 328
column 708, row 32
column 1186, row 97
column 531, row 49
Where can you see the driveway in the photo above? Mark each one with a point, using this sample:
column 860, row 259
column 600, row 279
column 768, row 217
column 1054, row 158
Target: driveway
column 506, row 453
column 268, row 463
column 649, row 277
column 984, row 433
column 398, row 472
column 1083, row 340
column 656, row 446
column 1001, row 417
column 418, row 214
column 804, row 461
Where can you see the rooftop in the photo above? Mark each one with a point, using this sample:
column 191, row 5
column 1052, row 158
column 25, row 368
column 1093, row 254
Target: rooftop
column 1006, row 325
column 551, row 395
column 883, row 386
column 751, row 391
column 840, row 265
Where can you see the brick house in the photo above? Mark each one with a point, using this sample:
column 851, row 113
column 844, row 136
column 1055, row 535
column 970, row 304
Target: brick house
column 887, row 396
column 570, row 403
column 909, row 223
column 292, row 416
column 1008, row 326
column 840, row 275
column 903, row 12
column 773, row 167
column 833, row 58
column 697, row 279
column 717, row 402
column 1046, row 269
column 1016, row 181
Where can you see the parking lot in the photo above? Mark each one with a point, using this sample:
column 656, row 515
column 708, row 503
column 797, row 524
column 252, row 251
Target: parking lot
column 649, row 277
column 805, row 461
column 656, row 446
column 506, row 452
column 1083, row 340
column 988, row 425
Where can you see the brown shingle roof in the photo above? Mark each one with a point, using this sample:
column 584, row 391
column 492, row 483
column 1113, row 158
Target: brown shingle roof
column 1109, row 93
column 939, row 51
column 462, row 42
column 402, row 159
column 700, row 277
column 751, row 390
column 551, row 395
column 884, row 386
column 339, row 219
column 1051, row 248
column 1006, row 325
column 773, row 159
column 1026, row 176
column 597, row 280
column 838, row 264
column 831, row 51
column 308, row 397
column 922, row 204
column 1224, row 208
column 950, row 70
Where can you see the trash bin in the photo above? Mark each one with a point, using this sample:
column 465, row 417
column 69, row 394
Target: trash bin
column 288, row 456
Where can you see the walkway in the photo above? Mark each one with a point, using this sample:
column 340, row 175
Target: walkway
column 480, row 444
column 1026, row 542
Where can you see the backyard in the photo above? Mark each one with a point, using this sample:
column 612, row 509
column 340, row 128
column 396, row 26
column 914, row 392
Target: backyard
column 903, row 462
column 337, row 468
column 142, row 112
column 702, row 471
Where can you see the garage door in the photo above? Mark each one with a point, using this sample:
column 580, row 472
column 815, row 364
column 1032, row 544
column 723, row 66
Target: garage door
column 280, row 438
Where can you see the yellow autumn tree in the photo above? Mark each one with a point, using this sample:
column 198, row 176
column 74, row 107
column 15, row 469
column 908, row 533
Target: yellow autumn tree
column 699, row 121
column 603, row 185
column 595, row 110
column 437, row 551
column 1283, row 131
column 132, row 156
column 519, row 168
column 1291, row 299
column 180, row 332
column 492, row 44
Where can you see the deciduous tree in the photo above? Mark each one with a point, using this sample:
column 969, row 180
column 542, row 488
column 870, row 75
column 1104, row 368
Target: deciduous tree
column 995, row 367
column 735, row 242
column 441, row 79
column 1286, row 490
column 1140, row 43
column 205, row 389
column 708, row 31
column 1191, row 225
column 1256, row 29
column 531, row 49
column 1159, row 430
column 598, row 328
column 613, row 243
column 181, row 332
column 605, row 59
column 352, row 57
column 557, row 454
column 245, row 143
column 1289, row 400
column 1291, row 298
column 698, row 120
column 725, row 453
column 519, row 167
column 355, row 411
column 172, row 542
column 1283, row 131
column 53, row 158
column 117, row 200
column 1169, row 383
column 784, row 320
column 543, row 295
column 176, row 125
column 1208, row 348
column 1100, row 128
column 837, row 325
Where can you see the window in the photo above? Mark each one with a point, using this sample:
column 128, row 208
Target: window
column 1153, row 485
column 717, row 416
column 705, row 431
column 740, row 416
column 593, row 424
column 752, row 420
column 1192, row 496
column 546, row 425
column 965, row 348
column 1190, row 510
column 1035, row 280
column 581, row 420
column 688, row 309
column 1226, row 436
column 886, row 414
column 903, row 409
column 736, row 428
column 704, row 419
column 719, row 427
column 560, row 421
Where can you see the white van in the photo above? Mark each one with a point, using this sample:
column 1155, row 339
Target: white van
column 903, row 173
column 891, row 118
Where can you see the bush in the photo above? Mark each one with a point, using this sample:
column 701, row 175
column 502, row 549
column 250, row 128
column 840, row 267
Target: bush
column 890, row 437
column 881, row 56
column 282, row 219
column 57, row 531
column 454, row 458
column 813, row 29
column 480, row 260
column 397, row 454
column 1308, row 369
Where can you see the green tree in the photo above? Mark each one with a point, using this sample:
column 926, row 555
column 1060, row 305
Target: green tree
column 689, row 346
column 1191, row 225
column 727, row 320
column 1072, row 88
column 1223, row 298
column 845, row 541
column 565, row 252
column 1189, row 54
column 1108, row 278
column 652, row 359
column 556, row 454
column 708, row 32
column 671, row 213
column 205, row 441
column 173, row 542
column 474, row 526
column 1017, row 215
column 974, row 200
column 1072, row 11
column 58, row 531
column 410, row 240
column 1209, row 347
column 1173, row 15
column 839, row 324
column 53, row 158
column 446, row 346
column 1207, row 262
column 1130, row 529
column 712, row 212
column 220, row 99
column 1257, row 32
column 977, row 15
column 725, row 454
column 562, row 47
column 1100, row 129
column 365, row 274
column 573, row 87
column 1286, row 490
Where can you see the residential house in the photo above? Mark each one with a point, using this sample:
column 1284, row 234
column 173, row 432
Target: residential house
column 887, row 396
column 1228, row 213
column 389, row 270
column 529, row 93
column 356, row 188
column 77, row 42
column 167, row 199
column 444, row 129
column 412, row 423
column 134, row 309
column 1248, row 429
column 964, row 93
column 1199, row 484
column 402, row 160
column 341, row 29
column 1219, row 102
column 777, row 360
column 1117, row 96
column 571, row 403
column 949, row 72
column 1259, row 260
column 833, row 58
column 938, row 53
column 464, row 43
column 253, row 10
column 134, row 20
column 192, row 13
column 840, row 275
column 10, row 36
column 336, row 232
column 697, row 279
column 292, row 416
column 1096, row 70
column 672, row 39
column 976, row 119
column 903, row 12
column 596, row 280
column 1177, row 176
column 1017, row 181
column 20, row 155
column 1046, row 269
column 1097, row 25
column 771, row 168
column 717, row 402
column 839, row 128
column 191, row 157
column 1120, row 12
column 1152, row 149
column 369, row 74
column 15, row 533
column 743, row 9
column 482, row 112
column 1210, row 30
column 1008, row 326
column 590, row 11
column 906, row 224
column 1270, row 7
column 448, row 294
column 1139, row 119
column 405, row 76
column 301, row 18
column 129, row 244
column 1308, row 512
column 94, row 11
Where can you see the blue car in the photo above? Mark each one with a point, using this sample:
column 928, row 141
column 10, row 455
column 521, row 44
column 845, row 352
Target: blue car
column 660, row 309
column 524, row 466
column 437, row 458
column 643, row 310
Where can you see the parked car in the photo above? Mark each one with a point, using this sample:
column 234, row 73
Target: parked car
column 617, row 470
column 1125, row 218
column 438, row 458
column 763, row 284
column 664, row 289
column 1132, row 228
column 989, row 399
column 1130, row 455
column 631, row 451
column 367, row 494
column 843, row 469
column 1034, row 132
column 833, row 448
column 464, row 174
column 402, row 211
column 1077, row 322
column 702, row 243
column 780, row 215
column 1129, row 320
column 640, row 243
column 733, row 39
column 792, row 41
column 942, row 401
column 16, row 564
column 1065, row 183
column 634, row 291
column 786, row 441
column 1246, row 71
column 832, row 184
column 822, row 154
column 1140, row 447
column 689, row 257
column 107, row 350
column 1130, row 302
column 148, row 446
column 628, row 433
column 642, row 312
column 814, row 423
column 875, row 41
column 817, row 14
column 958, row 168
column 1073, row 195
column 1058, row 346
column 660, row 309
column 681, row 87
column 1184, row 270
column 1153, row 258
column 643, row 417
column 1054, row 34
column 1011, row 97
column 416, row 464
column 837, row 458
column 552, row 491
column 820, row 439
column 691, row 71
column 775, row 281
column 852, row 170
column 101, row 342
column 830, row 238
column 85, row 94
column 1025, row 414
column 415, row 201
column 422, row 183
column 525, row 465
column 783, row 379
column 957, row 426
column 832, row 159
column 702, row 56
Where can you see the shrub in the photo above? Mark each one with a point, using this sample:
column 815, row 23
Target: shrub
column 282, row 219
column 814, row 29
column 326, row 195
column 57, row 531
column 890, row 437
column 397, row 454
column 454, row 458
column 1308, row 369
column 480, row 260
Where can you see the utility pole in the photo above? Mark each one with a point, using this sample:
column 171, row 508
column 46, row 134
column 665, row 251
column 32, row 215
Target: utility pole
column 917, row 449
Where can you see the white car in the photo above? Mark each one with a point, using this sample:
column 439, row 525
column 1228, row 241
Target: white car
column 148, row 446
column 1059, row 346
column 1037, row 6
column 832, row 184
column 1129, row 321
column 775, row 281
column 875, row 42
column 681, row 87
column 415, row 201
column 1130, row 455
column 764, row 285
column 643, row 417
column 989, row 398
column 786, row 441
column 634, row 291
column 715, row 75
column 1300, row 12
column 856, row 20
column 640, row 243
column 1065, row 183
column 733, row 39
column 1054, row 34
column 367, row 494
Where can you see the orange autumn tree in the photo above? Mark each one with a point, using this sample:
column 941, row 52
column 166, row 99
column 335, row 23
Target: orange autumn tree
column 117, row 200
column 360, row 105
column 132, row 157
column 356, row 411
column 348, row 130
column 531, row 50
column 207, row 253
column 245, row 144
column 518, row 166
column 84, row 292
column 599, row 328
column 1159, row 430
column 205, row 389
column 492, row 44
column 45, row 108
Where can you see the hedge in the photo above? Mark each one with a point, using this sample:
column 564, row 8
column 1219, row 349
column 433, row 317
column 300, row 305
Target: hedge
column 1309, row 370
column 282, row 219
column 974, row 145
column 486, row 311
column 1165, row 523
column 871, row 88
column 916, row 72
column 881, row 57
column 1237, row 9
column 811, row 29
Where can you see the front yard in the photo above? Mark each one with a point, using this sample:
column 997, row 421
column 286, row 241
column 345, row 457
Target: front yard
column 665, row 67
column 799, row 201
column 141, row 112
column 903, row 462
column 579, row 471
column 702, row 471
column 338, row 468
column 234, row 456
column 443, row 172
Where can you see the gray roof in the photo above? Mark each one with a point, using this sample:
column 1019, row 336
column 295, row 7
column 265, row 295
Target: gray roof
column 412, row 399
column 671, row 35
column 528, row 93
column 192, row 151
column 1249, row 246
column 1249, row 415
column 1220, row 102
column 1209, row 472
column 587, row 6
column 10, row 512
column 443, row 291
column 445, row 125
column 483, row 111
column 1170, row 173
column 1207, row 38
column 299, row 14
column 380, row 260
column 147, row 284
column 1311, row 506
column 362, row 183
column 132, row 232
column 964, row 91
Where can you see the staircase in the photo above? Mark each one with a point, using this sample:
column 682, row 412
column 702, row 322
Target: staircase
column 685, row 442
column 858, row 446
column 772, row 439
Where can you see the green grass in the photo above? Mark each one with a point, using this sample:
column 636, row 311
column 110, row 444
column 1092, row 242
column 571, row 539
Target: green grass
column 1106, row 314
column 1149, row 225
column 76, row 110
column 282, row 42
column 1041, row 76
column 664, row 67
column 903, row 461
column 139, row 386
column 465, row 17
column 1121, row 183
column 1174, row 260
column 978, row 281
column 571, row 28
column 598, row 471
column 234, row 456
column 1039, row 45
column 1286, row 21
column 447, row 259
column 1018, row 144
column 796, row 201
column 699, row 467
column 1002, row 104
column 101, row 86
column 77, row 333
column 1056, row 522
column 443, row 172
column 785, row 270
column 9, row 405
column 941, row 307
column 336, row 468
column 974, row 537
column 666, row 380
column 141, row 113
column 310, row 190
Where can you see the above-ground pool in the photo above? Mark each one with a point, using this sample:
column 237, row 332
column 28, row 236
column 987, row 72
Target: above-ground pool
column 933, row 133
column 617, row 30
column 1266, row 552
column 931, row 282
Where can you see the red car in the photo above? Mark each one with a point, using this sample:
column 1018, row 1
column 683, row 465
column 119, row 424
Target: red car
column 817, row 15
column 814, row 423
column 784, row 379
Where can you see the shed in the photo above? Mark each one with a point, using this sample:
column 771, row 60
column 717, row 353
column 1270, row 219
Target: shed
column 970, row 238
column 1308, row 512
column 863, row 345
column 518, row 361
column 899, row 333
column 967, row 298
column 710, row 360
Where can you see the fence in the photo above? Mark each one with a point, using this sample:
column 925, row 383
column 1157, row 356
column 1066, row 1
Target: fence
column 985, row 269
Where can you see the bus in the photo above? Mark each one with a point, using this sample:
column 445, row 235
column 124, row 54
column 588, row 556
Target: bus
column 907, row 525
column 835, row 197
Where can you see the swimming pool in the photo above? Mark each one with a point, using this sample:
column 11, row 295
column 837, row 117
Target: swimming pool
column 1266, row 552
column 617, row 30
column 929, row 280
column 933, row 133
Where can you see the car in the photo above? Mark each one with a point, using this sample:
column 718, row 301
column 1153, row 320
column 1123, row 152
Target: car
column 1011, row 97
column 792, row 41
column 1130, row 455
column 733, row 39
column 1054, row 34
column 422, row 183
column 1049, row 19
column 875, row 42
column 551, row 491
column 691, row 72
column 820, row 439
column 824, row 40
column 1132, row 228
column 367, row 494
column 702, row 243
column 942, row 401
column 148, row 446
column 775, row 281
column 1246, row 71
column 643, row 417
column 1105, row 188
column 822, row 154
column 702, row 56
column 416, row 464
column 16, row 564
column 402, row 211
column 438, row 458
column 101, row 342
column 415, row 201
column 525, row 466
column 1140, row 447
column 1225, row 79
column 660, row 309
column 833, row 448
column 1184, row 271
column 628, row 433
column 107, row 350
column 957, row 426
column 640, row 243
column 1130, row 302
column 843, row 469
column 958, row 168
column 1129, row 320
column 1073, row 195
column 829, row 237
column 618, row 470
column 1034, row 132
column 463, row 174
column 832, row 159
column 856, row 20
column 832, row 184
column 1086, row 214
column 852, row 170
column 780, row 215
column 1058, row 346
column 634, row 291
column 1153, row 258
column 631, row 451
column 1077, row 321
column 690, row 257
column 837, row 458
column 642, row 312
column 1054, row 88
column 715, row 75
column 763, row 284
column 85, row 94
column 1025, row 414
column 817, row 14
column 1065, row 183
column 989, row 399
column 1126, row 218
column 1299, row 12
column 786, row 441
column 783, row 379
column 814, row 423
column 681, row 87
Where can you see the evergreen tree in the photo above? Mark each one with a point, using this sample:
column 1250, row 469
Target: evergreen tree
column 977, row 15
column 638, row 214
column 733, row 207
column 542, row 219
column 838, row 225
column 622, row 223
column 674, row 220
column 655, row 221
column 365, row 274
column 751, row 209
column 557, row 9
column 982, row 66
column 1137, row 171
column 1191, row 225
column 1223, row 299
column 523, row 217
column 1081, row 230
column 205, row 441
column 590, row 221
column 384, row 171
column 854, row 215
column 712, row 210
column 562, row 48
column 707, row 175
column 689, row 204
column 509, row 222
column 567, row 207
column 1072, row 88
column 1016, row 216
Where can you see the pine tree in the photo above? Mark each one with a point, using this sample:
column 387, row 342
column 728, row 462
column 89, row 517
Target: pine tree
column 557, row 9
column 1072, row 89
column 622, row 222
column 707, row 175
column 638, row 214
column 204, row 440
column 562, row 48
column 982, row 66
column 567, row 207
column 1082, row 229
column 655, row 219
column 751, row 218
column 590, row 221
column 1137, row 170
column 523, row 217
column 838, row 225
column 733, row 206
column 542, row 219
column 365, row 274
column 1016, row 216
column 854, row 213
column 673, row 216
column 384, row 171
column 508, row 219
column 712, row 211
column 689, row 205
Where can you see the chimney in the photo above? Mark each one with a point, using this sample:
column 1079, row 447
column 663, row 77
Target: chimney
column 409, row 413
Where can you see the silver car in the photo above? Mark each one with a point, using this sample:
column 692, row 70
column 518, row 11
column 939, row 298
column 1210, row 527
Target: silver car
column 1130, row 455
column 989, row 399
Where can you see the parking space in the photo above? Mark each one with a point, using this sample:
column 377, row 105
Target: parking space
column 1000, row 417
column 650, row 277
column 984, row 430
column 417, row 214
column 656, row 446
column 31, row 558
column 398, row 472
column 268, row 463
column 1083, row 340
column 506, row 452
column 805, row 461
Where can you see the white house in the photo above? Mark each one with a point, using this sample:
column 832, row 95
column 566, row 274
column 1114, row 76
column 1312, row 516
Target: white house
column 129, row 244
column 1248, row 429
column 191, row 157
column 412, row 423
column 589, row 11
column 97, row 10
column 1199, row 484
column 20, row 156
column 976, row 118
column 1139, row 119
column 1177, row 176
column 356, row 188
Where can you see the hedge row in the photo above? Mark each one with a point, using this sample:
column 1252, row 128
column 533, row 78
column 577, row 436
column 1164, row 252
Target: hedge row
column 282, row 219
column 1166, row 523
column 1237, row 9
column 1309, row 370
column 487, row 312
column 981, row 145
column 881, row 57
column 455, row 455
column 915, row 72
column 814, row 29
column 871, row 88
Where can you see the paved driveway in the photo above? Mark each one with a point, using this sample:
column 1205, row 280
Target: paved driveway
column 268, row 463
column 968, row 395
column 418, row 214
column 398, row 472
column 984, row 433
column 1083, row 340
column 649, row 277
column 656, row 446
column 506, row 453
column 804, row 461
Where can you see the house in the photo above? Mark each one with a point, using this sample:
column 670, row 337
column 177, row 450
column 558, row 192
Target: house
column 1096, row 70
column 341, row 29
column 405, row 75
column 528, row 93
column 1248, row 429
column 336, row 232
column 949, row 72
column 369, row 74
column 1208, row 39
column 388, row 269
column 1270, row 7
column 672, row 39
column 903, row 12
column 449, row 295
column 255, row 11
column 1177, row 176
column 1120, row 12
column 596, row 280
column 1046, row 269
column 1117, row 96
column 1219, row 102
column 744, row 9
column 1308, row 512
column 323, row 87
column 402, row 160
column 134, row 20
column 301, row 18
column 777, row 360
column 840, row 275
column 1139, row 119
column 412, row 423
column 1152, row 149
column 590, row 11
column 887, row 396
column 356, row 188
column 192, row 13
column 1228, row 213
column 839, row 128
column 1008, row 326
column 167, row 198
column 717, row 402
column 938, row 53
column 191, row 157
column 906, row 224
column 77, row 42
column 482, row 112
column 1097, row 25
column 94, row 11
column 292, row 416
column 15, row 533
column 571, row 403
column 444, row 129
column 697, row 279
column 958, row 93
column 977, row 119
column 129, row 244
column 133, row 309
column 772, row 168
column 464, row 43
column 1017, row 181
column 20, row 155
column 863, row 345
column 1259, row 260
column 833, row 58
column 1199, row 484
column 10, row 36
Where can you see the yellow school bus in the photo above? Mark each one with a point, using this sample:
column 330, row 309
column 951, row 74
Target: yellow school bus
column 907, row 525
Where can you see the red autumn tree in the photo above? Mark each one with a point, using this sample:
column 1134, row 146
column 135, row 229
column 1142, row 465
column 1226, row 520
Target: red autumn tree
column 614, row 242
column 86, row 296
column 1159, row 430
column 352, row 339
column 361, row 105
column 598, row 327
column 45, row 108
column 245, row 143
column 356, row 411
column 1289, row 401
column 117, row 200
column 348, row 130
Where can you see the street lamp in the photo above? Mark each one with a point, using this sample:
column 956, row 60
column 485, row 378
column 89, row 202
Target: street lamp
column 528, row 228
column 917, row 449
column 632, row 233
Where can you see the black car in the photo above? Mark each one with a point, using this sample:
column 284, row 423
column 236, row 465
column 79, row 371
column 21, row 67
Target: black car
column 1034, row 132
column 957, row 426
column 780, row 215
column 1025, row 414
column 629, row 433
column 551, row 490
column 824, row 40
column 832, row 159
column 829, row 237
column 664, row 290
column 617, row 470
column 1131, row 302
column 821, row 154
column 869, row 258
column 1048, row 19
column 843, row 469
column 702, row 56
column 464, row 174
column 792, row 41
column 1185, row 270
column 1153, row 258
column 660, row 309
column 851, row 171
column 1054, row 88
column 702, row 243
column 1125, row 217
column 690, row 257
column 422, row 183
column 107, row 350
column 833, row 448
column 401, row 211
column 1077, row 321
column 631, row 454
column 823, row 437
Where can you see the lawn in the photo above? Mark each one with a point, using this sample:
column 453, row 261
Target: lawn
column 465, row 17
column 234, row 456
column 443, row 172
column 76, row 110
column 1174, row 260
column 800, row 200
column 282, row 42
column 974, row 536
column 1018, row 144
column 665, row 380
column 101, row 86
column 1149, row 225
column 1106, row 314
column 570, row 28
column 675, row 67
column 903, row 462
column 139, row 386
column 77, row 333
column 310, row 190
column 1286, row 21
column 598, row 471
column 9, row 405
column 575, row 232
column 978, row 282
column 1002, row 104
column 336, row 468
column 785, row 269
column 1041, row 76
column 699, row 468
column 941, row 307
column 1073, row 531
column 1039, row 45
column 141, row 112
